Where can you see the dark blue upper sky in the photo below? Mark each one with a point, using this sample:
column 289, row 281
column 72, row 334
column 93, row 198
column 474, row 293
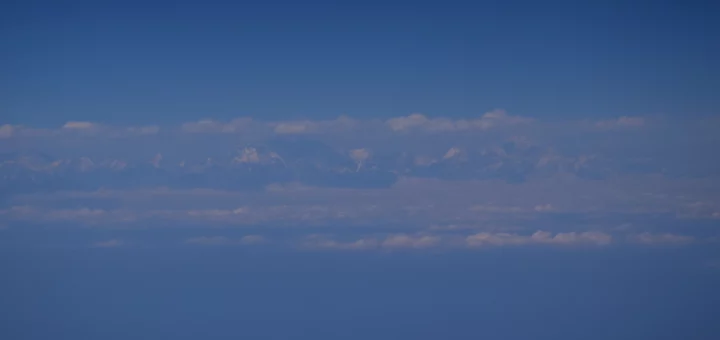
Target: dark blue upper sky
column 134, row 62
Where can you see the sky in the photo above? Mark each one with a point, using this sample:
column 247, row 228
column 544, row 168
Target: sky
column 355, row 170
column 150, row 62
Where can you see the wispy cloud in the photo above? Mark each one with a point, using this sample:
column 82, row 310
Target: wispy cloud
column 539, row 237
column 226, row 241
column 387, row 242
column 6, row 131
column 212, row 126
column 320, row 242
column 114, row 243
column 411, row 241
column 490, row 180
column 454, row 241
column 622, row 122
column 144, row 130
column 80, row 125
column 417, row 121
column 339, row 125
column 661, row 239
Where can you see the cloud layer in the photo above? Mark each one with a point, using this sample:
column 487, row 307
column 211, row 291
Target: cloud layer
column 428, row 182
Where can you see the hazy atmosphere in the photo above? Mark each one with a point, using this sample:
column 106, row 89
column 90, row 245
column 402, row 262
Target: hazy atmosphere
column 369, row 170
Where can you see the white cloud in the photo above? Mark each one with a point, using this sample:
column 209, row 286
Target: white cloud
column 156, row 161
column 496, row 239
column 491, row 208
column 622, row 122
column 201, row 126
column 212, row 126
column 210, row 213
column 483, row 239
column 211, row 240
column 394, row 241
column 409, row 241
column 539, row 237
column 340, row 124
column 661, row 239
column 80, row 125
column 544, row 207
column 248, row 155
column 289, row 127
column 417, row 121
column 81, row 215
column 591, row 237
column 320, row 242
column 294, row 127
column 144, row 130
column 252, row 239
column 359, row 156
column 452, row 153
column 224, row 241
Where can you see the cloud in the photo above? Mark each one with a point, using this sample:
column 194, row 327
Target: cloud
column 544, row 207
column 144, row 130
column 252, row 239
column 212, row 126
column 491, row 208
column 489, row 120
column 97, row 130
column 409, row 241
column 589, row 237
column 225, row 241
column 202, row 126
column 87, row 216
column 209, row 240
column 449, row 241
column 423, row 201
column 72, row 214
column 359, row 156
column 661, row 239
column 80, row 125
column 295, row 127
column 340, row 124
column 290, row 127
column 484, row 239
column 248, row 155
column 389, row 242
column 622, row 122
column 6, row 131
column 320, row 242
column 452, row 152
column 114, row 243
column 418, row 120
column 700, row 209
column 379, row 172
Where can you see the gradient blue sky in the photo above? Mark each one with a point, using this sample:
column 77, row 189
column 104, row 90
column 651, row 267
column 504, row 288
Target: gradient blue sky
column 367, row 170
column 140, row 62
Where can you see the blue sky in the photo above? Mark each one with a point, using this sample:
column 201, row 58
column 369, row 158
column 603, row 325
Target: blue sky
column 160, row 62
column 384, row 170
